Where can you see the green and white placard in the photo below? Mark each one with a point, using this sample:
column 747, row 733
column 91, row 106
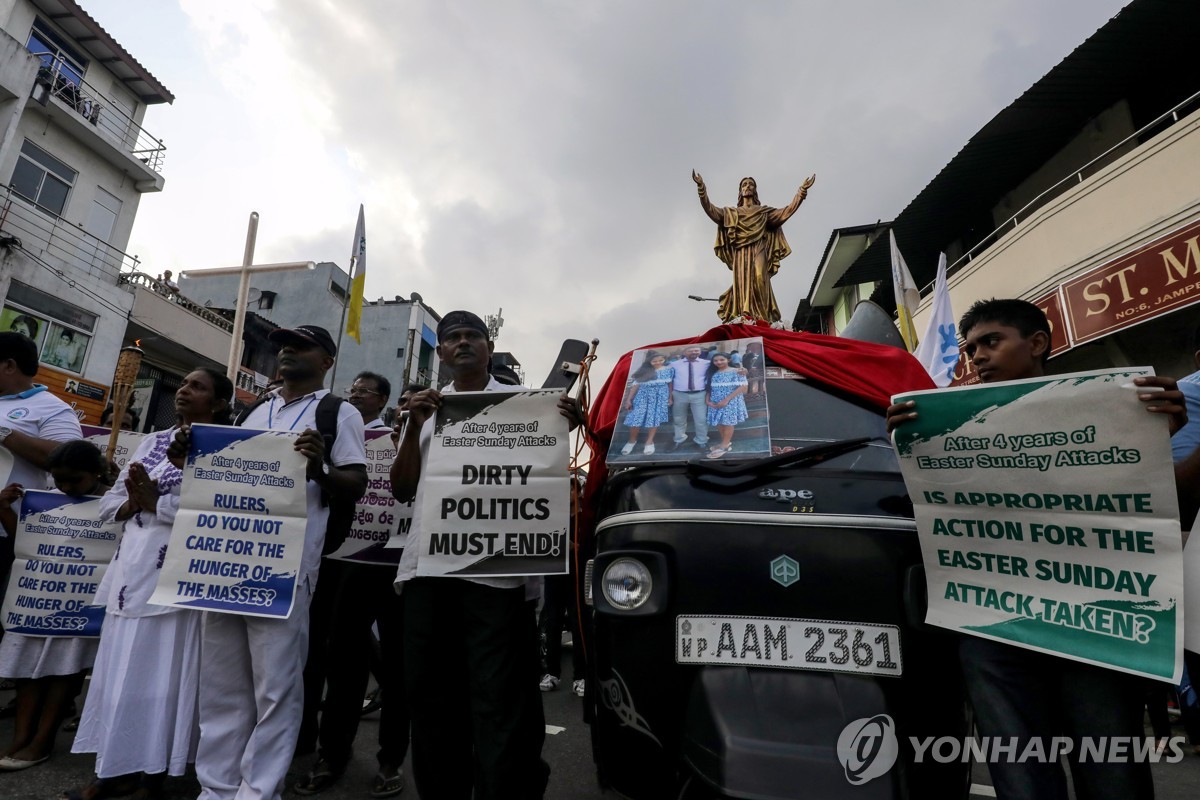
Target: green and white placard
column 1048, row 519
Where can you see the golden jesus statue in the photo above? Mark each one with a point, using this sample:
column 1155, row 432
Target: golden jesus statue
column 750, row 242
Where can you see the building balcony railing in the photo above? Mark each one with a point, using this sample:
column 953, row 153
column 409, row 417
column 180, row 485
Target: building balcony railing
column 102, row 112
column 69, row 245
column 170, row 293
column 1077, row 176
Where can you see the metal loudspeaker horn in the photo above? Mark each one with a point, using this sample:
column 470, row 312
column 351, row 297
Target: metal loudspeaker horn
column 870, row 323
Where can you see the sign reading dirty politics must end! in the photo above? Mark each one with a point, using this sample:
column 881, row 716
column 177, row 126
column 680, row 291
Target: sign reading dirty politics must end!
column 1048, row 519
column 495, row 496
column 238, row 538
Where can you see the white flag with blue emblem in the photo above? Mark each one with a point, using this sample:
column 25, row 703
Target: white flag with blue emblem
column 938, row 350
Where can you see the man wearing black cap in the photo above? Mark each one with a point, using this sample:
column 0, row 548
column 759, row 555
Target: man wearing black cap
column 470, row 661
column 251, row 687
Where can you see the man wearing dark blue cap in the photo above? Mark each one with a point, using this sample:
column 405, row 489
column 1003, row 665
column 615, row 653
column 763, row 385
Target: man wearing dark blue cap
column 251, row 687
column 477, row 632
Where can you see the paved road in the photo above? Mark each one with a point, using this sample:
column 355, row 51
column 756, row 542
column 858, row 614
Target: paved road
column 568, row 750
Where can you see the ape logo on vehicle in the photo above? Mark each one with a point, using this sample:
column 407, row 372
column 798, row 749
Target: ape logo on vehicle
column 785, row 571
column 867, row 748
column 800, row 499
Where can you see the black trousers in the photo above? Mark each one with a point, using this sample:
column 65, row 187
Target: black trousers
column 558, row 599
column 349, row 599
column 471, row 672
column 367, row 596
column 1023, row 694
column 320, row 619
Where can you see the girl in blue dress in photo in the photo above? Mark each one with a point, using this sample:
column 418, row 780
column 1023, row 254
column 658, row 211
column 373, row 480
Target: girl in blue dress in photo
column 649, row 402
column 726, row 386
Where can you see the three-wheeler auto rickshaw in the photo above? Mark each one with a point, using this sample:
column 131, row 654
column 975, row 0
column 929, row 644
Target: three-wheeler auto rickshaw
column 745, row 615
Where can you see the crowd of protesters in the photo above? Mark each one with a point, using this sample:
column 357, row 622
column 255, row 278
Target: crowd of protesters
column 456, row 660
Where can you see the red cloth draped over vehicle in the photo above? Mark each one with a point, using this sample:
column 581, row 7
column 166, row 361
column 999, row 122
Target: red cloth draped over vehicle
column 870, row 372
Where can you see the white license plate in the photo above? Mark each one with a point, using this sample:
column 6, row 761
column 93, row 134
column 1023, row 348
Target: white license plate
column 789, row 643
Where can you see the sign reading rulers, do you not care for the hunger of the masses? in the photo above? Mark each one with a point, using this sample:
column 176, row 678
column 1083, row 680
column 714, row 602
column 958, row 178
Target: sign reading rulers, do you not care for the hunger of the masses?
column 1048, row 518
column 238, row 538
column 62, row 550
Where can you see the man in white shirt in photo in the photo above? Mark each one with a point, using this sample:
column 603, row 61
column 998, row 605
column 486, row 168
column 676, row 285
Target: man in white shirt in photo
column 688, row 390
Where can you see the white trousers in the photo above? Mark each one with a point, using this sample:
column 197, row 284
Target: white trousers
column 251, row 701
column 696, row 404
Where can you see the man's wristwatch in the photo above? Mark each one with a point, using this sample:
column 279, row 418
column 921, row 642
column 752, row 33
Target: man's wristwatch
column 4, row 432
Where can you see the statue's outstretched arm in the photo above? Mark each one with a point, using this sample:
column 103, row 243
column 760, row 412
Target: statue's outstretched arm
column 782, row 215
column 713, row 212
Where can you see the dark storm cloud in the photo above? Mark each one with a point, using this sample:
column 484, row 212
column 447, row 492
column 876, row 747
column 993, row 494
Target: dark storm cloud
column 548, row 146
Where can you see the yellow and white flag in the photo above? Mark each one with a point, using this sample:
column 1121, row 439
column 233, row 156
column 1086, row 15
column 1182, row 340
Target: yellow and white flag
column 907, row 296
column 358, row 277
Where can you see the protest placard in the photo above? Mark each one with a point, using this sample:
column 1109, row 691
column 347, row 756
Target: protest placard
column 1048, row 519
column 381, row 522
column 127, row 442
column 238, row 538
column 495, row 491
column 62, row 550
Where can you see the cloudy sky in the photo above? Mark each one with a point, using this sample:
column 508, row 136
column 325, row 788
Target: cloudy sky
column 536, row 156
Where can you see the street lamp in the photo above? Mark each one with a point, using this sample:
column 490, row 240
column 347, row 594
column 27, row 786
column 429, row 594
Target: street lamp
column 239, row 314
column 700, row 299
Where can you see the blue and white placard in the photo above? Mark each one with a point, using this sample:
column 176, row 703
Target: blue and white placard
column 62, row 550
column 238, row 538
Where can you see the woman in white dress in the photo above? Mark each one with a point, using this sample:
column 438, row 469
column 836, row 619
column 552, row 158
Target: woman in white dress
column 140, row 714
column 48, row 669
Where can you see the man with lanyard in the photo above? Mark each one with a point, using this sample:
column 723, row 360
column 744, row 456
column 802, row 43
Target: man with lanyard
column 363, row 593
column 688, row 388
column 471, row 665
column 251, row 687
column 32, row 423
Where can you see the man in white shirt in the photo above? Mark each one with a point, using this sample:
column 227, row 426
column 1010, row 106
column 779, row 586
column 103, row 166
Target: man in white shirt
column 251, row 668
column 470, row 644
column 688, row 388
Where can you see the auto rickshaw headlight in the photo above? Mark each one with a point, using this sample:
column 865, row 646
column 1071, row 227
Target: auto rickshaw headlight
column 627, row 584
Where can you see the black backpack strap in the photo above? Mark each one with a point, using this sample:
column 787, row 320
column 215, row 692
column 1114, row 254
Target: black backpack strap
column 241, row 418
column 327, row 414
column 341, row 512
column 327, row 422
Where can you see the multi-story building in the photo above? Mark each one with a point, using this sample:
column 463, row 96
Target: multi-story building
column 74, row 164
column 398, row 335
column 1082, row 196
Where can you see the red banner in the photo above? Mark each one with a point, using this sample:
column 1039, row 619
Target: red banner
column 1155, row 279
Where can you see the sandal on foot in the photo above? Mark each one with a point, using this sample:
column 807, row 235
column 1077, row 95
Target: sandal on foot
column 387, row 785
column 10, row 764
column 319, row 778
column 717, row 452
